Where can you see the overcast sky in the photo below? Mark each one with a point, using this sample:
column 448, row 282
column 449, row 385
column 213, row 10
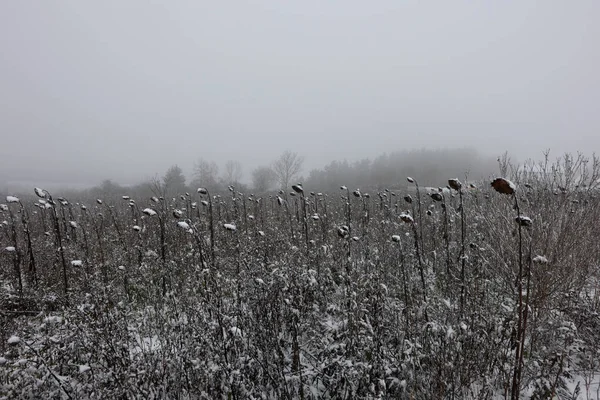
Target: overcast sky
column 122, row 89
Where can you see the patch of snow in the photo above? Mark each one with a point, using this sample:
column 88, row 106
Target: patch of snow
column 84, row 368
column 151, row 253
column 146, row 344
column 53, row 319
column 14, row 340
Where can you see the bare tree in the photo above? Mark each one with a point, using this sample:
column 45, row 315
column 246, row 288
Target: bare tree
column 173, row 180
column 205, row 174
column 287, row 167
column 233, row 172
column 263, row 179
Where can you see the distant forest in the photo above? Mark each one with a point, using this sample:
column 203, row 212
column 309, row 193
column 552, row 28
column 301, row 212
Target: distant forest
column 430, row 167
column 388, row 170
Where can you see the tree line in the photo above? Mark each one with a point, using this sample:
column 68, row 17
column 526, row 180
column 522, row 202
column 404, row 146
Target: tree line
column 384, row 171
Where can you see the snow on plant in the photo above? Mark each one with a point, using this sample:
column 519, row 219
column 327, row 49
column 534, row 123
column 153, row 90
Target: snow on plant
column 149, row 212
column 40, row 192
column 455, row 184
column 230, row 227
column 405, row 217
column 523, row 220
column 183, row 225
column 504, row 186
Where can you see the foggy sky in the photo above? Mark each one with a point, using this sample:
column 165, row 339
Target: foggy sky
column 123, row 89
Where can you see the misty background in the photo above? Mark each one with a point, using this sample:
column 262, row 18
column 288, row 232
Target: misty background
column 123, row 90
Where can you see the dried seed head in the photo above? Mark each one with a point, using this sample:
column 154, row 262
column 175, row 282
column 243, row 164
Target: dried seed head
column 40, row 192
column 455, row 184
column 342, row 232
column 503, row 186
column 298, row 188
column 437, row 196
column 523, row 221
column 406, row 218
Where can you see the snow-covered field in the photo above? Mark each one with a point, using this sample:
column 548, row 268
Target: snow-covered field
column 472, row 294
